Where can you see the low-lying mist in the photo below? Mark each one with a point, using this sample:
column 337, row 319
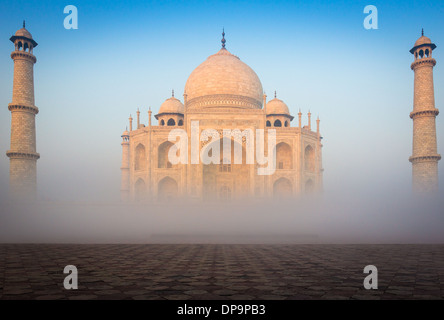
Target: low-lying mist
column 376, row 217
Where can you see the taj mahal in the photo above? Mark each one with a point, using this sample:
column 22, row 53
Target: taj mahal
column 222, row 93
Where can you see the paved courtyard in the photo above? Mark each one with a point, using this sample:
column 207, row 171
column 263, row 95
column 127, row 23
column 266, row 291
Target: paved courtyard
column 211, row 271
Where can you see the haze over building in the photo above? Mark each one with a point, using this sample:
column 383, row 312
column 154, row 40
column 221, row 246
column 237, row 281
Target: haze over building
column 222, row 93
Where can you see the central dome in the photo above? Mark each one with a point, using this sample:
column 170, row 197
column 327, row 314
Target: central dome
column 224, row 81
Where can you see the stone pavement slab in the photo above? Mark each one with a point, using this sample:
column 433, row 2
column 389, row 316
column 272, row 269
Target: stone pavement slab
column 224, row 271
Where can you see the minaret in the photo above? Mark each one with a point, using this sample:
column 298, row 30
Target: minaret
column 138, row 119
column 425, row 156
column 300, row 118
column 149, row 116
column 22, row 153
column 125, row 174
column 317, row 126
column 309, row 120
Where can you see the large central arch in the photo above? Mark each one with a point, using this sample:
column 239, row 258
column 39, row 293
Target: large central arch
column 232, row 177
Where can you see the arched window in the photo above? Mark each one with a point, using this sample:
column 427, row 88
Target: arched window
column 268, row 123
column 287, row 123
column 25, row 47
column 416, row 55
column 284, row 156
column 20, row 45
column 162, row 154
column 309, row 156
column 171, row 122
column 421, row 53
column 180, row 122
column 162, row 123
column 427, row 53
column 140, row 161
column 278, row 123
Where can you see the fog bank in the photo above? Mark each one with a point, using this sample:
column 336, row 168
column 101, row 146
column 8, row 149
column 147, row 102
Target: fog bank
column 379, row 217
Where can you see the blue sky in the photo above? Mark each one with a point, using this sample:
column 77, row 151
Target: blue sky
column 130, row 54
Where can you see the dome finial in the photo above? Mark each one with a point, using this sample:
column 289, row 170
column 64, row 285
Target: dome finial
column 172, row 93
column 422, row 32
column 24, row 23
column 275, row 94
column 223, row 38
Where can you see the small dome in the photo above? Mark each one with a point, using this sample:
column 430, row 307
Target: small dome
column 277, row 106
column 422, row 40
column 171, row 105
column 125, row 133
column 23, row 33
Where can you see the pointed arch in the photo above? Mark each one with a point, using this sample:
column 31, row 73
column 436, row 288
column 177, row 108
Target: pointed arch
column 278, row 123
column 171, row 122
column 167, row 189
column 162, row 122
column 235, row 175
column 268, row 124
column 162, row 155
column 309, row 157
column 284, row 156
column 140, row 157
column 180, row 123
column 282, row 188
